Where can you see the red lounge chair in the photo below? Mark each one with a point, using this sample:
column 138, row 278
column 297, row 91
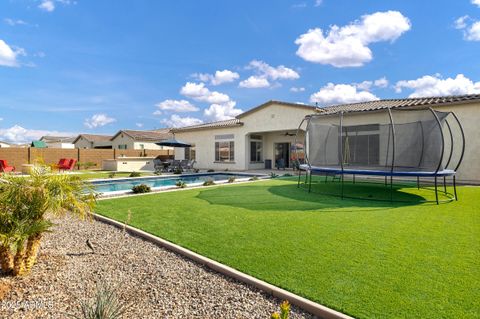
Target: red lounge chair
column 5, row 168
column 62, row 162
column 67, row 165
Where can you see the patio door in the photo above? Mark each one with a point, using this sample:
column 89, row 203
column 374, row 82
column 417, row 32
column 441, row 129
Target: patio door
column 282, row 154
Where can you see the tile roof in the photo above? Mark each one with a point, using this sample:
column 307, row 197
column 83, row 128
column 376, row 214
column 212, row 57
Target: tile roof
column 261, row 106
column 400, row 103
column 219, row 124
column 150, row 135
column 57, row 139
column 94, row 137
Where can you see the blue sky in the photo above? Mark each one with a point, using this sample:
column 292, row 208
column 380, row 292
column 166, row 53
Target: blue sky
column 71, row 66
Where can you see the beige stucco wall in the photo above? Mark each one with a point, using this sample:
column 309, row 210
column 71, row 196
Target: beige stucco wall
column 4, row 145
column 270, row 122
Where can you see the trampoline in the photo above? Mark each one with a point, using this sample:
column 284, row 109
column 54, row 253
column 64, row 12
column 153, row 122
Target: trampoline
column 404, row 143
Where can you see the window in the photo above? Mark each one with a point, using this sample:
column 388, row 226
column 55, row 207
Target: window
column 225, row 151
column 122, row 146
column 190, row 153
column 256, row 148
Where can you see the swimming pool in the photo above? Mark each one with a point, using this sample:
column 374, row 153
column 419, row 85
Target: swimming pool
column 124, row 185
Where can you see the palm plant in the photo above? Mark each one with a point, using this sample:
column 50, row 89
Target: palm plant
column 26, row 204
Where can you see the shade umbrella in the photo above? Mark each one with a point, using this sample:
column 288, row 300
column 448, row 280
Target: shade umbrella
column 173, row 142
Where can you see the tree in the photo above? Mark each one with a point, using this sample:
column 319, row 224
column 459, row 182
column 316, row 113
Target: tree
column 26, row 206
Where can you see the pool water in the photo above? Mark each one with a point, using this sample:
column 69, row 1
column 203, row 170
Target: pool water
column 106, row 186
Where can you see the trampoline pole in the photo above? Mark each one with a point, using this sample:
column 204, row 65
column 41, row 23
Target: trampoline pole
column 391, row 188
column 310, row 183
column 455, row 187
column 444, row 184
column 418, row 182
column 342, row 185
column 299, row 176
column 436, row 189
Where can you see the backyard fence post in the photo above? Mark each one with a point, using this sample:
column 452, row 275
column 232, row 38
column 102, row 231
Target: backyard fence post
column 78, row 158
column 29, row 156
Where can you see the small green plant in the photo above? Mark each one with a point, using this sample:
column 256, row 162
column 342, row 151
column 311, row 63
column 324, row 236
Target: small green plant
column 284, row 311
column 210, row 170
column 208, row 182
column 142, row 188
column 226, row 169
column 196, row 170
column 180, row 184
column 105, row 305
column 178, row 170
column 254, row 178
column 87, row 165
column 135, row 174
column 158, row 172
column 231, row 179
column 112, row 175
column 287, row 175
column 273, row 175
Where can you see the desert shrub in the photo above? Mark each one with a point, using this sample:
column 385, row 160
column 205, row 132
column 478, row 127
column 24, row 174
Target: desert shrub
column 208, row 182
column 105, row 305
column 142, row 188
column 112, row 174
column 178, row 170
column 87, row 165
column 284, row 311
column 273, row 175
column 287, row 175
column 254, row 178
column 135, row 174
column 210, row 170
column 158, row 172
column 231, row 179
column 196, row 170
column 180, row 184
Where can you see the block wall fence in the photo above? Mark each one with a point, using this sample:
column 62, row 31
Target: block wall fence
column 16, row 156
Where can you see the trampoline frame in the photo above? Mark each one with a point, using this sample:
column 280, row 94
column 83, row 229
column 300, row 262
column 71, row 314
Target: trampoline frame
column 311, row 170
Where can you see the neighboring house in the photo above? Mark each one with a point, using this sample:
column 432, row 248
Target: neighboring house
column 255, row 139
column 58, row 141
column 93, row 141
column 140, row 140
column 265, row 133
column 4, row 144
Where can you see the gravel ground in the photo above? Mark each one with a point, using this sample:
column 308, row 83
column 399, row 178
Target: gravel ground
column 157, row 283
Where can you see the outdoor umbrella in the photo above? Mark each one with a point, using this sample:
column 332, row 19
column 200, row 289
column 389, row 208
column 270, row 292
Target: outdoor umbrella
column 173, row 143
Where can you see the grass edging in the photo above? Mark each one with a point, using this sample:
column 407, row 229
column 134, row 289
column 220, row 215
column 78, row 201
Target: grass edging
column 303, row 303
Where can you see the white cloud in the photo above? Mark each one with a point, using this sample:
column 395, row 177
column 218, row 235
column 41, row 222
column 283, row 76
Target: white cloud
column 254, row 82
column 12, row 22
column 473, row 32
column 199, row 92
column 1, row 118
column 178, row 121
column 274, row 73
column 139, row 125
column 434, row 85
column 381, row 83
column 47, row 5
column 341, row 94
column 8, row 56
column 476, row 2
column 461, row 23
column 220, row 77
column 297, row 89
column 98, row 120
column 220, row 112
column 18, row 134
column 175, row 106
column 318, row 3
column 347, row 46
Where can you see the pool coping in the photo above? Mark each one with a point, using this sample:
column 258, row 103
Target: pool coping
column 303, row 303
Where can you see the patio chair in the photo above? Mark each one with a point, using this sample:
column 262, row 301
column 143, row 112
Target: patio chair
column 5, row 168
column 68, row 165
column 158, row 164
column 189, row 165
column 175, row 165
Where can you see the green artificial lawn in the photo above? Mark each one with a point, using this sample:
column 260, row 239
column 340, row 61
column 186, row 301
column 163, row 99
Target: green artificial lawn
column 368, row 259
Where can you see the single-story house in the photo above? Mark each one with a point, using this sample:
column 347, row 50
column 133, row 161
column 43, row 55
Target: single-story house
column 58, row 141
column 90, row 141
column 261, row 136
column 4, row 144
column 140, row 140
column 255, row 139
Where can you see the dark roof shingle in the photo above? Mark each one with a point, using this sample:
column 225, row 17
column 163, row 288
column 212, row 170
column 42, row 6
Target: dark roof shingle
column 150, row 135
